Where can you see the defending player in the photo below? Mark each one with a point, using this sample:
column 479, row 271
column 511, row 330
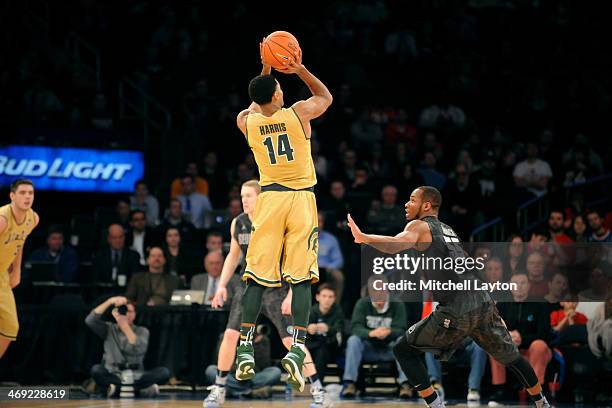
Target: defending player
column 459, row 314
column 285, row 217
column 272, row 300
column 17, row 220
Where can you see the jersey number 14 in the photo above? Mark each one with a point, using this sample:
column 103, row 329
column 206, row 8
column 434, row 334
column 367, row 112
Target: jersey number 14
column 283, row 148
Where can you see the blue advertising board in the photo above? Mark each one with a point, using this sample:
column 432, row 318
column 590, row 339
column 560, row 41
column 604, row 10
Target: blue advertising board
column 72, row 169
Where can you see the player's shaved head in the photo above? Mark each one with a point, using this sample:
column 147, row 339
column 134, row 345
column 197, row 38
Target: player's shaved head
column 432, row 195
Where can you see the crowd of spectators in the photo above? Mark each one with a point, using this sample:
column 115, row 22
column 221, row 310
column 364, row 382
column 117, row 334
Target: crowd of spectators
column 493, row 102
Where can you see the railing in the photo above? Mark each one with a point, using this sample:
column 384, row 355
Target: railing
column 600, row 195
column 493, row 231
column 136, row 104
column 85, row 57
column 534, row 209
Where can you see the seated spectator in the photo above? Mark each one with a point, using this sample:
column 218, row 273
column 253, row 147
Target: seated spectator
column 477, row 358
column 556, row 220
column 201, row 185
column 533, row 174
column 561, row 319
column 122, row 213
column 557, row 289
column 65, row 258
column 529, row 326
column 175, row 218
column 599, row 231
column 599, row 284
column 336, row 206
column 179, row 260
column 209, row 280
column 464, row 197
column 430, row 174
column 494, row 272
column 514, row 261
column 330, row 257
column 140, row 238
column 376, row 325
column 153, row 287
column 195, row 205
column 233, row 210
column 266, row 374
column 325, row 328
column 125, row 347
column 578, row 231
column 360, row 193
column 143, row 201
column 536, row 268
column 214, row 241
column 599, row 330
column 386, row 216
column 115, row 263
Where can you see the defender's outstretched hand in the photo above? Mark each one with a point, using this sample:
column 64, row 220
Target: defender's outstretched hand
column 357, row 234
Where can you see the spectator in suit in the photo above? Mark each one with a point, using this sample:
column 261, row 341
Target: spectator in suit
column 142, row 200
column 175, row 218
column 115, row 263
column 195, row 205
column 122, row 213
column 140, row 238
column 65, row 258
column 153, row 287
column 209, row 280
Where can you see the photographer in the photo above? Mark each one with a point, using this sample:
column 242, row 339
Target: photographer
column 125, row 346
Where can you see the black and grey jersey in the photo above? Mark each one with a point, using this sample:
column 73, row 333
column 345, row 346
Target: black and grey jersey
column 242, row 234
column 447, row 247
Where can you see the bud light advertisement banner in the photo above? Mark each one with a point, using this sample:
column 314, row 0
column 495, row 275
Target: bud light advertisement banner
column 72, row 169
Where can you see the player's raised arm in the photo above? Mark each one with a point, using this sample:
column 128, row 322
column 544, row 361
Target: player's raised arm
column 253, row 107
column 321, row 98
column 389, row 244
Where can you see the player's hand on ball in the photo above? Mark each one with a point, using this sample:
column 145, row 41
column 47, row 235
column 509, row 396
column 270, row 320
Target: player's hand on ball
column 357, row 234
column 220, row 297
column 294, row 65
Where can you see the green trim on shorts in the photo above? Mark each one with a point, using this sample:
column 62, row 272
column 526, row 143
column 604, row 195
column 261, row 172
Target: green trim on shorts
column 13, row 338
column 293, row 281
column 265, row 282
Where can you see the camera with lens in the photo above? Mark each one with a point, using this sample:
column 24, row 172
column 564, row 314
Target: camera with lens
column 122, row 310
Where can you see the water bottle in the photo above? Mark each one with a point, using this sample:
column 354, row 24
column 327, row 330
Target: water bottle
column 127, row 384
column 288, row 392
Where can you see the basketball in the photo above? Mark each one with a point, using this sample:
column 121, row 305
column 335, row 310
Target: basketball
column 278, row 47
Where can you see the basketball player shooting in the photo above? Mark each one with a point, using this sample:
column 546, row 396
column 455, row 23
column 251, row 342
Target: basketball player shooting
column 17, row 220
column 285, row 216
column 459, row 313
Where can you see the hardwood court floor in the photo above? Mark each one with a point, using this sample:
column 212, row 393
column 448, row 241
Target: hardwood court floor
column 180, row 403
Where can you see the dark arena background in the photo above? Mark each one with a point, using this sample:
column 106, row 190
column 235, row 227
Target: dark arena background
column 123, row 115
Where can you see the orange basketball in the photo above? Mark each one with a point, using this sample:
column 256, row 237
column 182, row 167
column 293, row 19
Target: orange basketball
column 278, row 47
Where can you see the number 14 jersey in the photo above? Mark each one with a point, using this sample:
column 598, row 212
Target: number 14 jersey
column 281, row 149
